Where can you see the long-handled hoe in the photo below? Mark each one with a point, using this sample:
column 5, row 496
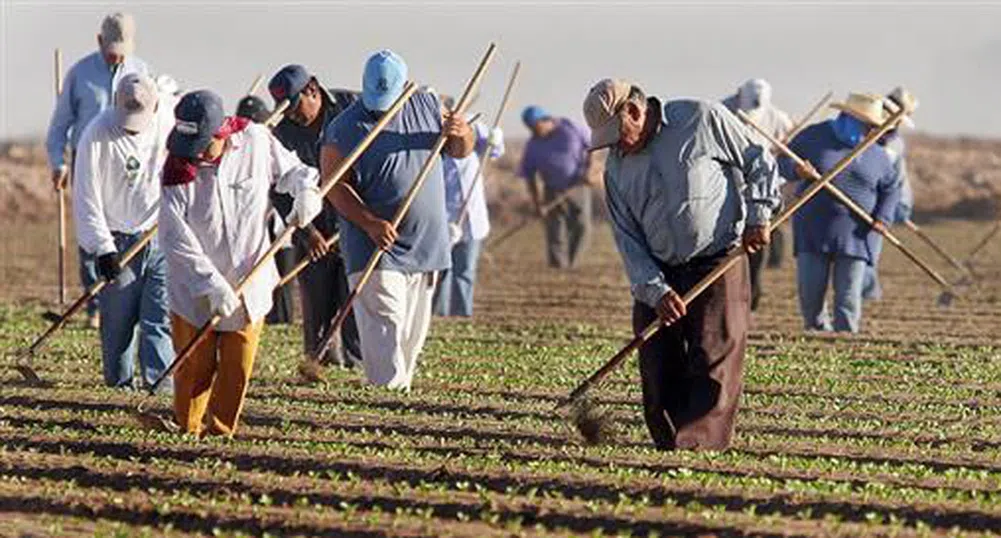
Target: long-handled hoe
column 595, row 426
column 155, row 422
column 24, row 368
column 310, row 368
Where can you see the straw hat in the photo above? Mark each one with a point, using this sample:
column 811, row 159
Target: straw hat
column 865, row 107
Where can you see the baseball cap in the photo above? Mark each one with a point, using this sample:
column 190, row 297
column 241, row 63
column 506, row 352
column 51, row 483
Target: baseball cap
column 253, row 108
column 199, row 115
column 135, row 102
column 288, row 82
column 601, row 107
column 383, row 80
column 532, row 115
column 118, row 33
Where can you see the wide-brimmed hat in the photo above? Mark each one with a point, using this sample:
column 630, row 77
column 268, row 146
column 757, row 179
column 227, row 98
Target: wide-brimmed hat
column 867, row 107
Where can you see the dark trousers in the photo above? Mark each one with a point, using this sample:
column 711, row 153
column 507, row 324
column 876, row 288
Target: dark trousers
column 692, row 372
column 568, row 227
column 323, row 288
column 282, row 310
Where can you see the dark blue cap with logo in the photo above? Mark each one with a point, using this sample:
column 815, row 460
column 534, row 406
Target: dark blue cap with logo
column 288, row 82
column 253, row 108
column 198, row 116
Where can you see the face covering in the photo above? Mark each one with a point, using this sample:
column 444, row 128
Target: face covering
column 849, row 130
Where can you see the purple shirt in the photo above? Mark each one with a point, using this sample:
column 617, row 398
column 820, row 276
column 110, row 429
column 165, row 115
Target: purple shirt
column 560, row 158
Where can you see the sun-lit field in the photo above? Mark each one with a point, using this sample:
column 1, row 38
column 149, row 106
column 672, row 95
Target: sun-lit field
column 896, row 431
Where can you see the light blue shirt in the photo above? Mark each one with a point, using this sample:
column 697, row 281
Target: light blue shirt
column 459, row 177
column 688, row 193
column 87, row 90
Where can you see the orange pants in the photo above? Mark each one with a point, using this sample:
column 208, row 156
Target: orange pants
column 214, row 378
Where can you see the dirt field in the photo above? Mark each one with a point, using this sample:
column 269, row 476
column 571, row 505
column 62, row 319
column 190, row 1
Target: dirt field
column 896, row 431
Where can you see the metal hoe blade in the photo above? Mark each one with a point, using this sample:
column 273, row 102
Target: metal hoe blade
column 311, row 371
column 593, row 424
column 946, row 298
column 29, row 375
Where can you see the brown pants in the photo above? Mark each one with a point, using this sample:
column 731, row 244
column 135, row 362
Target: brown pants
column 214, row 378
column 692, row 372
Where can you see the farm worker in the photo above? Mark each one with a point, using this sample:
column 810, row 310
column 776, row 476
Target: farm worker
column 256, row 110
column 212, row 228
column 830, row 242
column 557, row 153
column 323, row 285
column 87, row 90
column 893, row 143
column 685, row 187
column 253, row 108
column 393, row 309
column 116, row 194
column 754, row 97
column 454, row 296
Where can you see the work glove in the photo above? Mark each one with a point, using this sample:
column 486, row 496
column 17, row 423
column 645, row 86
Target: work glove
column 59, row 177
column 223, row 301
column 454, row 233
column 496, row 137
column 107, row 266
column 307, row 205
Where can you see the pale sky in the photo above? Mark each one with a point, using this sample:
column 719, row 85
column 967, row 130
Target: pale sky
column 947, row 53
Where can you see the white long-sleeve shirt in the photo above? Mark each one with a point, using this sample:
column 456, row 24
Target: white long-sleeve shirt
column 213, row 229
column 459, row 176
column 116, row 186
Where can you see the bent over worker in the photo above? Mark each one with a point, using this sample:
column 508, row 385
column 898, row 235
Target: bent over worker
column 212, row 228
column 557, row 153
column 116, row 196
column 393, row 309
column 754, row 97
column 685, row 186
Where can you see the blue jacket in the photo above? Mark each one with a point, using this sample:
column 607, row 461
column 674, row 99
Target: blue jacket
column 824, row 225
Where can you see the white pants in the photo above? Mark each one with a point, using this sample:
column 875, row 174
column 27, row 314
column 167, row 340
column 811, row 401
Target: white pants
column 393, row 313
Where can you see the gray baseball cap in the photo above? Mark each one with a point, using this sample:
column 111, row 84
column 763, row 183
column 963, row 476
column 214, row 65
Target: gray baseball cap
column 135, row 102
column 118, row 33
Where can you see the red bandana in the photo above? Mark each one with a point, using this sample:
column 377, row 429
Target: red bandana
column 179, row 170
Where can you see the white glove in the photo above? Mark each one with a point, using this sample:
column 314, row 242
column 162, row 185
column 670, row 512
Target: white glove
column 223, row 301
column 496, row 137
column 454, row 234
column 307, row 206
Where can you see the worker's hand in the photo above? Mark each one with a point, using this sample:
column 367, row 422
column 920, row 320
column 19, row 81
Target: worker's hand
column 496, row 138
column 671, row 308
column 454, row 233
column 107, row 266
column 317, row 244
column 879, row 227
column 807, row 171
column 59, row 177
column 456, row 126
column 537, row 205
column 756, row 238
column 223, row 301
column 382, row 233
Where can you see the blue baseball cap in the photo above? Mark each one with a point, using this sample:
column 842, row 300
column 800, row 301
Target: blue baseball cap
column 532, row 115
column 199, row 115
column 383, row 80
column 288, row 82
column 253, row 108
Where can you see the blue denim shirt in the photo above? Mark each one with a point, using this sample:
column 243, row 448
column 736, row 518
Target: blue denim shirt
column 688, row 193
column 826, row 226
column 87, row 90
